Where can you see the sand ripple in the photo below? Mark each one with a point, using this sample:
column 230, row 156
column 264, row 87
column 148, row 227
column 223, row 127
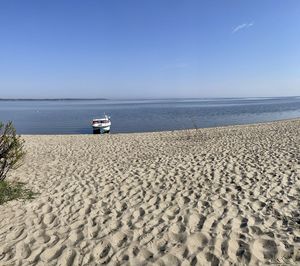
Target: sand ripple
column 200, row 197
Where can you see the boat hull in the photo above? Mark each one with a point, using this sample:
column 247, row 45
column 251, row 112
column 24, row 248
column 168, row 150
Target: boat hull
column 101, row 130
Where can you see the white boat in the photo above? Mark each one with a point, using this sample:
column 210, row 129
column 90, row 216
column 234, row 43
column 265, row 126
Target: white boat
column 102, row 124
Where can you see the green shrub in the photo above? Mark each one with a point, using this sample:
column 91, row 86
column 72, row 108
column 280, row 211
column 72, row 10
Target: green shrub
column 14, row 190
column 11, row 149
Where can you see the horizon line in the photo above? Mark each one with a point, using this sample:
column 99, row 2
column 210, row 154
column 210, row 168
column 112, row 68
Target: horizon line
column 116, row 99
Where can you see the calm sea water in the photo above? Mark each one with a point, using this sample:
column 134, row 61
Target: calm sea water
column 74, row 116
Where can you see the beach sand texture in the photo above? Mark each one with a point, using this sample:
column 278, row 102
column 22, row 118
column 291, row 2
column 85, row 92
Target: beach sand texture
column 193, row 197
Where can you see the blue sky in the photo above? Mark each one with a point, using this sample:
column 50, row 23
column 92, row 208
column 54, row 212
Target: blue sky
column 149, row 48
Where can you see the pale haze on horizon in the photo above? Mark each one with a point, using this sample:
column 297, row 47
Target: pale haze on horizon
column 149, row 49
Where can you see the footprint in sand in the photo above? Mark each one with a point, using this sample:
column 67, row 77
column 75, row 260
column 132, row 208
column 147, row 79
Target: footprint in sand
column 197, row 241
column 265, row 249
column 177, row 233
column 119, row 239
column 102, row 252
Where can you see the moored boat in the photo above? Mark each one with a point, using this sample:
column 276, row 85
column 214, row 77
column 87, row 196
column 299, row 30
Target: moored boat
column 102, row 124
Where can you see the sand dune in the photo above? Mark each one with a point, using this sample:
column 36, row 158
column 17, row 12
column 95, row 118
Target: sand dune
column 196, row 197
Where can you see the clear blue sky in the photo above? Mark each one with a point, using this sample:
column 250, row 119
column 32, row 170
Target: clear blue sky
column 149, row 48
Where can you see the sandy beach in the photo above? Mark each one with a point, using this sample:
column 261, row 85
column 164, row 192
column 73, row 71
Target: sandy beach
column 216, row 196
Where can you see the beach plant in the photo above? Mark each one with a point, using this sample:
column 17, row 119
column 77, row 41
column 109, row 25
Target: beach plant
column 11, row 156
column 11, row 149
column 14, row 190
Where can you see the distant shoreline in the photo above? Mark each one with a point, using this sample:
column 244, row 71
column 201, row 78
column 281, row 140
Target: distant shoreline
column 146, row 99
column 57, row 99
